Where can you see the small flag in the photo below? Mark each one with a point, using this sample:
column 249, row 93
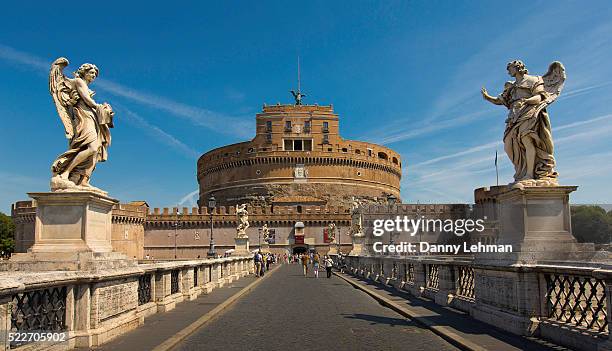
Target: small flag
column 495, row 157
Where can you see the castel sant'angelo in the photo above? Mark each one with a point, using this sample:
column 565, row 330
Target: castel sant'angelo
column 298, row 157
column 297, row 175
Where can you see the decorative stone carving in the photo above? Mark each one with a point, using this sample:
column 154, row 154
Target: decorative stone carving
column 86, row 125
column 331, row 232
column 243, row 217
column 528, row 138
column 266, row 233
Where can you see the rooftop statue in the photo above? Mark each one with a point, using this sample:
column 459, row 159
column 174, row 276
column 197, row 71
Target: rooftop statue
column 528, row 138
column 86, row 125
column 298, row 97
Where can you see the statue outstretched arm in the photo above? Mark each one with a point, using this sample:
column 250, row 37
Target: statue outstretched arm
column 489, row 98
column 81, row 87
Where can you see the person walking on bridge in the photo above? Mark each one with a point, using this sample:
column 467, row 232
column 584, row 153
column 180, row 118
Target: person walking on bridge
column 329, row 263
column 315, row 263
column 305, row 263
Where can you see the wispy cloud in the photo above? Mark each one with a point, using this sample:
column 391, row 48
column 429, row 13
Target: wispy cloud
column 200, row 117
column 159, row 134
column 197, row 116
column 190, row 199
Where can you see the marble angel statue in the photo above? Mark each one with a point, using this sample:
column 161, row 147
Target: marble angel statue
column 528, row 138
column 331, row 232
column 86, row 125
column 243, row 217
column 266, row 233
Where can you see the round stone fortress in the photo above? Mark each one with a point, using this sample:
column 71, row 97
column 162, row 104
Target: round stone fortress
column 298, row 157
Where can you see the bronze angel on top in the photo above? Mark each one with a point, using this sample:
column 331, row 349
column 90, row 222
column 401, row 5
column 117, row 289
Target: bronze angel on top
column 86, row 124
column 528, row 138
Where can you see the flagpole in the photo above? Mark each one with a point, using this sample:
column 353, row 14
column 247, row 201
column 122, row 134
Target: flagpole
column 496, row 168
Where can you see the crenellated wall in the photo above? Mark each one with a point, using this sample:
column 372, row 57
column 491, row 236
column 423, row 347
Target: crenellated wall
column 190, row 227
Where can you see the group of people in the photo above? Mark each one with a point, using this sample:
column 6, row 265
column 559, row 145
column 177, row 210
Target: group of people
column 263, row 262
column 315, row 260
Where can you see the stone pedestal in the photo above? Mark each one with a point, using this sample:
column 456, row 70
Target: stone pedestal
column 536, row 222
column 359, row 245
column 264, row 247
column 72, row 232
column 72, row 222
column 333, row 249
column 241, row 246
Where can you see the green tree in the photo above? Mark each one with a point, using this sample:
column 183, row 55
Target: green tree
column 7, row 233
column 591, row 224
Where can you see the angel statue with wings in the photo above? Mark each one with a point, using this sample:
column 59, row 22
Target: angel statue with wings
column 528, row 138
column 243, row 218
column 86, row 124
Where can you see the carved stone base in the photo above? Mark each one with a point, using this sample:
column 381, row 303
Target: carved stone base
column 333, row 249
column 72, row 222
column 359, row 246
column 72, row 232
column 535, row 221
column 241, row 246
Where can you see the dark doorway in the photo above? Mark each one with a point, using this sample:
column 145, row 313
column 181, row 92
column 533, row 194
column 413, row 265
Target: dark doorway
column 299, row 250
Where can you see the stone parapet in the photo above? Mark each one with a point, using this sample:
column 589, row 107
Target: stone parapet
column 95, row 307
column 563, row 303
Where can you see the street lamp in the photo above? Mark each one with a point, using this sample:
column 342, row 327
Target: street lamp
column 391, row 201
column 259, row 238
column 176, row 224
column 212, row 203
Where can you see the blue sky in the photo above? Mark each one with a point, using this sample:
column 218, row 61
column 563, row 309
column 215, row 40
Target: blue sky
column 191, row 76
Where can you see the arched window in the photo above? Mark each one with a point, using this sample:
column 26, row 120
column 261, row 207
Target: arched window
column 383, row 156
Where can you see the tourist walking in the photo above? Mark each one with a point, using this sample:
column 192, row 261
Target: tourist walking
column 257, row 258
column 329, row 263
column 305, row 263
column 315, row 263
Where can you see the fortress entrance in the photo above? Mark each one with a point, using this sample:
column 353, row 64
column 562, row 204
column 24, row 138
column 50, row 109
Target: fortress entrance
column 299, row 250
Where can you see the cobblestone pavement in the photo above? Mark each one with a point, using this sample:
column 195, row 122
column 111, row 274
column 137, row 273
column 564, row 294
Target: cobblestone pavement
column 291, row 312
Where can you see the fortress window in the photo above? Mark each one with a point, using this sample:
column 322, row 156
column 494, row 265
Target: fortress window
column 358, row 152
column 288, row 145
column 382, row 156
column 268, row 126
column 325, row 139
column 308, row 145
column 395, row 160
column 299, row 209
column 297, row 145
column 287, row 126
column 307, row 127
column 251, row 150
column 269, row 138
column 325, row 127
column 370, row 152
column 344, row 149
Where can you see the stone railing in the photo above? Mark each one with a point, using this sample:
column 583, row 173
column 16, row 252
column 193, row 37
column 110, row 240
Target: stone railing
column 91, row 308
column 567, row 305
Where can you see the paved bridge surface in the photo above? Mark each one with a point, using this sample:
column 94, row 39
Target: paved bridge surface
column 287, row 310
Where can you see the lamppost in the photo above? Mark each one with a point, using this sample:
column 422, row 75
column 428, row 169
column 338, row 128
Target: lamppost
column 390, row 201
column 176, row 224
column 212, row 203
column 259, row 238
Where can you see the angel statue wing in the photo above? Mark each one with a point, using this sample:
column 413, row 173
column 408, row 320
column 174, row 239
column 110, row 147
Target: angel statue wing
column 63, row 95
column 554, row 80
